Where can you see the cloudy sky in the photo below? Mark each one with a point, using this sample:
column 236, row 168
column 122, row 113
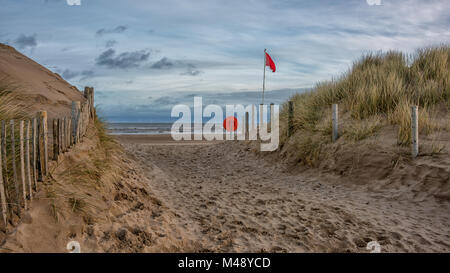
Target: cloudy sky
column 144, row 56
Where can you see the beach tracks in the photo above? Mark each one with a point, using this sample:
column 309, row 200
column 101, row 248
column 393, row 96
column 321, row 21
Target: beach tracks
column 228, row 199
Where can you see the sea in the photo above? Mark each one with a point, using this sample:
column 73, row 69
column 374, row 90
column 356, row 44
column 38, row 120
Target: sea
column 139, row 128
column 146, row 128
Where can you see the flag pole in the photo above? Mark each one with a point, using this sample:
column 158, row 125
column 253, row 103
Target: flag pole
column 264, row 76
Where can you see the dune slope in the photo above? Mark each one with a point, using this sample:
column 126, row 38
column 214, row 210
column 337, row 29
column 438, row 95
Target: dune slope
column 37, row 87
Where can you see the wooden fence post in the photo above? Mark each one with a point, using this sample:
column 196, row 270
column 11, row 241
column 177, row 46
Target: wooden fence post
column 43, row 150
column 33, row 163
column 64, row 134
column 27, row 158
column 290, row 125
column 45, row 126
column 69, row 133
column 61, row 134
column 13, row 159
column 89, row 95
column 75, row 121
column 335, row 122
column 84, row 121
column 22, row 164
column 59, row 125
column 247, row 126
column 2, row 190
column 5, row 162
column 91, row 101
column 415, row 130
column 86, row 92
column 81, row 121
column 55, row 140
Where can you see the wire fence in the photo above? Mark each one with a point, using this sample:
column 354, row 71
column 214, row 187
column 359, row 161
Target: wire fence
column 25, row 147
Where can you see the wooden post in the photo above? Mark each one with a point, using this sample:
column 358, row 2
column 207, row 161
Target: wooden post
column 64, row 134
column 86, row 92
column 69, row 133
column 247, row 126
column 89, row 95
column 59, row 125
column 61, row 134
column 13, row 159
column 75, row 119
column 22, row 164
column 91, row 102
column 80, row 126
column 5, row 162
column 290, row 126
column 335, row 122
column 55, row 140
column 415, row 130
column 2, row 190
column 33, row 163
column 27, row 158
column 43, row 150
column 44, row 126
column 84, row 120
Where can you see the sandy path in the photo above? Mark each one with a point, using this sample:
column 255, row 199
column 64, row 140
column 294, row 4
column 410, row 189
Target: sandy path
column 228, row 199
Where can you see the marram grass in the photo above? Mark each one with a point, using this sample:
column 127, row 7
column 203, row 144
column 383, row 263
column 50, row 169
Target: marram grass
column 381, row 87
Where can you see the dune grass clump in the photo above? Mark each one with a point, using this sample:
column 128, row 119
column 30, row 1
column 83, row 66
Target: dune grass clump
column 76, row 204
column 9, row 109
column 379, row 86
column 361, row 130
column 106, row 141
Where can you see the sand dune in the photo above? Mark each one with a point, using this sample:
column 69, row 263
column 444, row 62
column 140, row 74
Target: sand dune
column 37, row 87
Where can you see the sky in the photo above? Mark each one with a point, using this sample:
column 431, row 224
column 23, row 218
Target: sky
column 144, row 56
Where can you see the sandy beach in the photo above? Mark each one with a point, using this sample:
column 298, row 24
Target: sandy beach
column 228, row 198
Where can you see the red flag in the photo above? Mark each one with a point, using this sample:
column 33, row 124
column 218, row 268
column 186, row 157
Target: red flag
column 270, row 63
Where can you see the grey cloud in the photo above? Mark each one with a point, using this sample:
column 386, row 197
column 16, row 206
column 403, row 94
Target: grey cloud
column 164, row 63
column 166, row 101
column 69, row 74
column 118, row 29
column 191, row 70
column 86, row 74
column 110, row 43
column 122, row 61
column 24, row 41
